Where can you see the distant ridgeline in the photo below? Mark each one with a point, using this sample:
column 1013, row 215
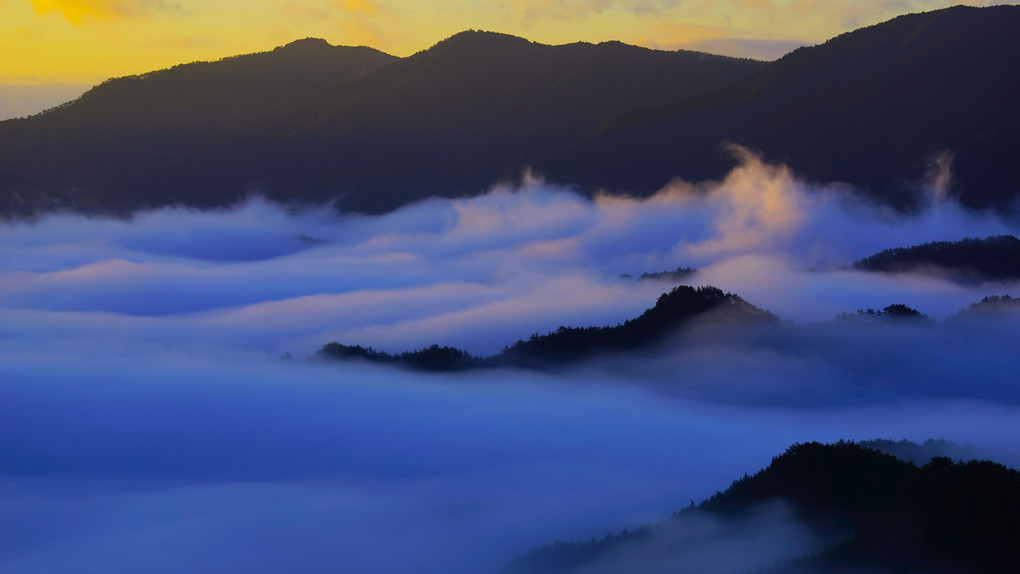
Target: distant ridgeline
column 679, row 274
column 894, row 311
column 672, row 311
column 879, row 108
column 872, row 512
column 969, row 260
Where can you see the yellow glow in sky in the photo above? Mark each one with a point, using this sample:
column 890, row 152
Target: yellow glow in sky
column 90, row 40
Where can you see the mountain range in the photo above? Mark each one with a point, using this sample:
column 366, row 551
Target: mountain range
column 678, row 309
column 880, row 108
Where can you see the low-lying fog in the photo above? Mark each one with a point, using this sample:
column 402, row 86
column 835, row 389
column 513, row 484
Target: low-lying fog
column 149, row 424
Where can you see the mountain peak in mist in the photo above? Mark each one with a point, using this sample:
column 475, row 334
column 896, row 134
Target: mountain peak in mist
column 673, row 311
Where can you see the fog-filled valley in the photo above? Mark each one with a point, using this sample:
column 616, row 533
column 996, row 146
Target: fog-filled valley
column 161, row 411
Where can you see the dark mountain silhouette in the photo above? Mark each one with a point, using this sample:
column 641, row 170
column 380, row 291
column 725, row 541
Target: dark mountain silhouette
column 175, row 136
column 969, row 260
column 312, row 122
column 671, row 312
column 875, row 108
column 879, row 513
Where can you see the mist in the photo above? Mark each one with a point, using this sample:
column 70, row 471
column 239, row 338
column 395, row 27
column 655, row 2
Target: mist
column 151, row 425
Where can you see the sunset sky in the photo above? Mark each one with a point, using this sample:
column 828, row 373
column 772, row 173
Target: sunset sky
column 86, row 41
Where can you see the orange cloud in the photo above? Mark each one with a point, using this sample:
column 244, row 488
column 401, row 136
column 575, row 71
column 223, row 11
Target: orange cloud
column 760, row 204
column 361, row 7
column 76, row 10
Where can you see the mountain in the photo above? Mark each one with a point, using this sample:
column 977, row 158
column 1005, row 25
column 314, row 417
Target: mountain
column 681, row 308
column 314, row 122
column 672, row 311
column 968, row 260
column 847, row 509
column 167, row 137
column 876, row 108
column 880, row 108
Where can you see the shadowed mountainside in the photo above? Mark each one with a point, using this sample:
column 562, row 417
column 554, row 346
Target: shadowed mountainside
column 877, row 513
column 876, row 108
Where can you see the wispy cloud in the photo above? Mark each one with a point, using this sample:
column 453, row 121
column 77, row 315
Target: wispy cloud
column 78, row 10
column 569, row 9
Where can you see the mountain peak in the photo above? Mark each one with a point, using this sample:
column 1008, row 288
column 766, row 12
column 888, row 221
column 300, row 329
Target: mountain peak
column 481, row 39
column 306, row 44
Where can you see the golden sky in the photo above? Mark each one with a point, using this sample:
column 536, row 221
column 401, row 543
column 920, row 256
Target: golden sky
column 86, row 41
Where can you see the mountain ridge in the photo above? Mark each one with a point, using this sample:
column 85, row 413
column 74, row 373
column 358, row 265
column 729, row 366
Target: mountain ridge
column 873, row 108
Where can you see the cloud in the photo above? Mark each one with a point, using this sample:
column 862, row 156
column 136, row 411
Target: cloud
column 202, row 460
column 699, row 542
column 757, row 207
column 529, row 10
column 360, row 22
column 150, row 425
column 77, row 10
column 480, row 273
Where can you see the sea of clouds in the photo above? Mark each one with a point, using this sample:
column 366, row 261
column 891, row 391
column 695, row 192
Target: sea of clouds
column 149, row 423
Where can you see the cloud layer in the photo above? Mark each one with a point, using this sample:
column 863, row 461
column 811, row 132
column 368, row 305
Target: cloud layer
column 150, row 425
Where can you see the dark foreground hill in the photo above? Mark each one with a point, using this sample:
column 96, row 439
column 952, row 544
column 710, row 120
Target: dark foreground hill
column 672, row 311
column 858, row 510
column 311, row 122
column 990, row 259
